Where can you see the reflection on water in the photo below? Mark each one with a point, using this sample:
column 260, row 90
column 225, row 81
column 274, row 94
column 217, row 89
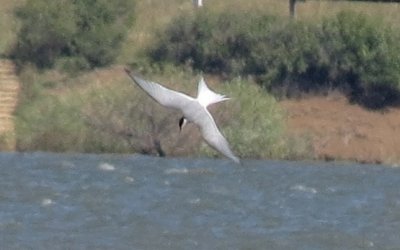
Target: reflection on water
column 76, row 201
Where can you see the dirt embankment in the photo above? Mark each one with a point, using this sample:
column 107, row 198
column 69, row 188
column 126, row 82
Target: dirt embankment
column 344, row 131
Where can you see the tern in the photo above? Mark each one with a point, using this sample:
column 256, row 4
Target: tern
column 194, row 110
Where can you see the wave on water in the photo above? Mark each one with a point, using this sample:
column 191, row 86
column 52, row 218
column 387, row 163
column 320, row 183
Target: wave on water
column 304, row 189
column 46, row 202
column 176, row 171
column 106, row 166
column 198, row 171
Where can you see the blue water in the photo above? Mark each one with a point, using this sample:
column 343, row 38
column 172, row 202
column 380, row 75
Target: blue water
column 78, row 201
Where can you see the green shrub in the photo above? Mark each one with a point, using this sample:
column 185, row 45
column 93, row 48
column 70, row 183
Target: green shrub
column 104, row 117
column 363, row 56
column 259, row 119
column 102, row 27
column 209, row 42
column 89, row 30
column 349, row 52
column 46, row 31
column 132, row 119
column 129, row 116
column 287, row 59
column 115, row 116
column 49, row 124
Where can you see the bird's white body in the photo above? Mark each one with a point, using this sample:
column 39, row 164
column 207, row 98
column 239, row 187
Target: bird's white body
column 193, row 109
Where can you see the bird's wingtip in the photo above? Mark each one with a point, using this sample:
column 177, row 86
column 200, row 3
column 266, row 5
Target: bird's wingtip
column 236, row 160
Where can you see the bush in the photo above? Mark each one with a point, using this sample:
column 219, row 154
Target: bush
column 363, row 57
column 49, row 124
column 45, row 32
column 129, row 116
column 258, row 117
column 287, row 59
column 109, row 115
column 134, row 121
column 209, row 42
column 349, row 52
column 114, row 116
column 89, row 30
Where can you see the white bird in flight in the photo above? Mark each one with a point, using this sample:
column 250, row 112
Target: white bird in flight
column 194, row 110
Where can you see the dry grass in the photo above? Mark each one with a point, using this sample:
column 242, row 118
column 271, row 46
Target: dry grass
column 340, row 130
column 313, row 10
column 316, row 10
column 151, row 16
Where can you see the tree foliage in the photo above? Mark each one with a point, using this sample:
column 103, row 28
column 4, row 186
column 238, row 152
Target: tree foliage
column 349, row 52
column 76, row 33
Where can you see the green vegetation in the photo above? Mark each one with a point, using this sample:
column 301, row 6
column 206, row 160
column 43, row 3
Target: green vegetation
column 86, row 33
column 8, row 26
column 213, row 43
column 115, row 116
column 65, row 109
column 256, row 125
column 363, row 58
column 349, row 52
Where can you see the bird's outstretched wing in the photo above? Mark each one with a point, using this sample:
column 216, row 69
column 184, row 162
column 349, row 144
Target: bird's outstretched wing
column 192, row 109
column 166, row 97
column 213, row 136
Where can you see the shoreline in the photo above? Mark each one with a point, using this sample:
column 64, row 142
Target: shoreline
column 77, row 155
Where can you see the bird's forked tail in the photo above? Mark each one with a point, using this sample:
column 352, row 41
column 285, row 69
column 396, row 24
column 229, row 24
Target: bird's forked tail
column 206, row 96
